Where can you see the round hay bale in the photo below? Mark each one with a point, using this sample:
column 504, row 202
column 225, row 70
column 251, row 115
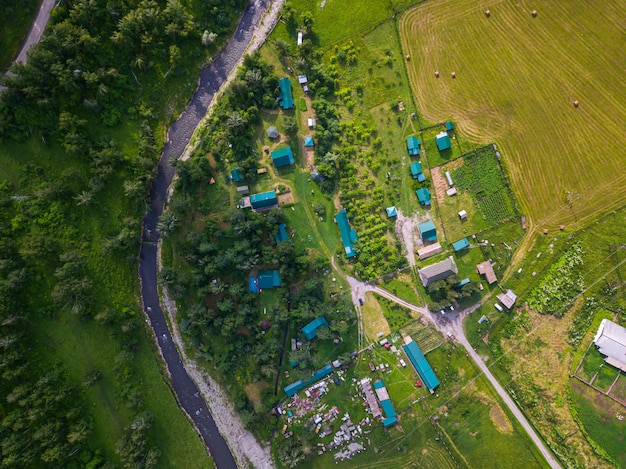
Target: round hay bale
column 562, row 227
column 575, row 103
column 408, row 57
column 453, row 74
column 545, row 232
column 487, row 13
column 534, row 13
column 437, row 73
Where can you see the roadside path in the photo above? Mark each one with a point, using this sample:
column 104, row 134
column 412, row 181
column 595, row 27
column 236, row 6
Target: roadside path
column 250, row 30
column 453, row 323
column 36, row 29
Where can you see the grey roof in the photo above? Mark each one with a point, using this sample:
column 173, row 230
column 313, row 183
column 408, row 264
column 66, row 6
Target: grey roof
column 611, row 342
column 438, row 271
column 272, row 132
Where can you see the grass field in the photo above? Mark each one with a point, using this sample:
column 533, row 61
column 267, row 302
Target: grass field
column 516, row 80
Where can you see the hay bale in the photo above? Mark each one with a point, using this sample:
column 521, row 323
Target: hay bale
column 487, row 13
column 453, row 74
column 437, row 73
column 575, row 103
column 408, row 57
column 562, row 227
column 534, row 13
column 545, row 232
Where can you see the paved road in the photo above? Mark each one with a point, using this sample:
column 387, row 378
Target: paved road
column 36, row 29
column 453, row 323
column 211, row 78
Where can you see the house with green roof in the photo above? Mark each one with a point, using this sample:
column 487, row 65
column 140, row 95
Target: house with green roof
column 282, row 157
column 423, row 195
column 310, row 330
column 449, row 126
column 235, row 175
column 263, row 200
column 418, row 360
column 265, row 280
column 427, row 230
column 282, row 233
column 293, row 388
column 416, row 171
column 460, row 244
column 443, row 141
column 286, row 100
column 348, row 235
column 413, row 146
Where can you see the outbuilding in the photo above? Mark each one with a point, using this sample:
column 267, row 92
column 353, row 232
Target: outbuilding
column 460, row 245
column 272, row 132
column 286, row 100
column 427, row 230
column 282, row 157
column 416, row 171
column 443, row 141
column 308, row 142
column 423, row 195
column 311, row 122
column 463, row 215
column 391, row 212
column 413, row 145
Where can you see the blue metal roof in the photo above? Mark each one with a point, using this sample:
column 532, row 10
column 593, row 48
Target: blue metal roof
column 310, row 330
column 463, row 282
column 428, row 230
column 449, row 126
column 413, row 145
column 460, row 244
column 285, row 93
column 263, row 199
column 443, row 141
column 293, row 388
column 282, row 233
column 268, row 279
column 421, row 365
column 423, row 195
column 308, row 141
column 235, row 175
column 348, row 235
column 416, row 169
column 391, row 212
column 254, row 285
column 282, row 157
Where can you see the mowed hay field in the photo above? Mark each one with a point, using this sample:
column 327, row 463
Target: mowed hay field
column 516, row 80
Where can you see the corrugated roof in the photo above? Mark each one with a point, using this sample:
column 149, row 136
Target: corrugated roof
column 285, row 93
column 416, row 169
column 348, row 235
column 428, row 251
column 391, row 212
column 428, row 231
column 310, row 330
column 308, row 141
column 293, row 388
column 438, row 271
column 268, row 279
column 486, row 269
column 282, row 157
column 417, row 358
column 460, row 244
column 371, row 398
column 423, row 195
column 611, row 342
column 263, row 199
column 282, row 233
column 413, row 145
column 443, row 141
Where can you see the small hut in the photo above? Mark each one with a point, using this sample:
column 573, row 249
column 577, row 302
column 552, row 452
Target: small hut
column 272, row 132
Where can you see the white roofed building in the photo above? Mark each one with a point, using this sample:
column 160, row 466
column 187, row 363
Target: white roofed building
column 611, row 342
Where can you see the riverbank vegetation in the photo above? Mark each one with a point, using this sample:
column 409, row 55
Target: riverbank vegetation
column 82, row 125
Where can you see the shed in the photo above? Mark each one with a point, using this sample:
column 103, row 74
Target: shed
column 286, row 100
column 391, row 417
column 302, row 79
column 308, row 141
column 282, row 233
column 507, row 299
column 306, row 88
column 293, row 388
column 263, row 200
column 243, row 190
column 611, row 342
column 348, row 235
column 423, row 195
column 310, row 330
column 391, row 212
column 316, row 176
column 370, row 397
column 299, row 38
column 460, row 245
column 416, row 169
column 439, row 271
column 429, row 250
column 427, row 230
column 486, row 269
column 463, row 282
column 449, row 126
column 463, row 215
column 311, row 122
column 449, row 178
column 272, row 132
column 413, row 145
column 443, row 141
column 235, row 175
column 451, row 191
column 282, row 157
column 418, row 360
column 268, row 279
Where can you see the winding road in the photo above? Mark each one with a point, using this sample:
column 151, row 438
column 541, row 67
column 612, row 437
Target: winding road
column 36, row 29
column 179, row 135
column 453, row 323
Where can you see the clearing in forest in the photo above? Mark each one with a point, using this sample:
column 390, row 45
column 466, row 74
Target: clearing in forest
column 516, row 80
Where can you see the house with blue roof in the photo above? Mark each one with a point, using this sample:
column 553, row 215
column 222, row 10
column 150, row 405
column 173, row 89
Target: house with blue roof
column 282, row 233
column 310, row 330
column 391, row 418
column 460, row 244
column 391, row 212
column 348, row 235
column 423, row 195
column 427, row 230
column 286, row 100
column 265, row 280
column 449, row 126
column 308, row 142
column 416, row 171
column 263, row 200
column 443, row 141
column 282, row 157
column 413, row 146
column 418, row 360
column 293, row 388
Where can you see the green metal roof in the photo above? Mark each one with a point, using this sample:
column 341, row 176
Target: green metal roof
column 413, row 145
column 285, row 93
column 423, row 195
column 460, row 244
column 282, row 157
column 348, row 235
column 263, row 199
column 310, row 330
column 421, row 365
column 443, row 141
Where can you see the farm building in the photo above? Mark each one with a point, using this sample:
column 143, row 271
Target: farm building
column 316, row 176
column 449, row 126
column 293, row 388
column 282, row 233
column 507, row 299
column 423, row 368
column 611, row 342
column 235, row 175
column 308, row 142
column 385, row 402
column 428, row 251
column 265, row 280
column 451, row 191
column 449, row 178
column 282, row 157
column 486, row 269
column 463, row 282
column 302, row 79
column 348, row 235
column 272, row 132
column 439, row 271
column 311, row 122
column 299, row 38
column 443, row 141
column 413, row 146
column 416, row 171
column 263, row 200
column 427, row 230
column 286, row 100
column 310, row 330
column 243, row 190
column 391, row 212
column 460, row 245
column 463, row 215
column 370, row 397
column 423, row 195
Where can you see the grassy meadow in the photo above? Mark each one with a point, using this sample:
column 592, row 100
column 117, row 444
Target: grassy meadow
column 516, row 80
